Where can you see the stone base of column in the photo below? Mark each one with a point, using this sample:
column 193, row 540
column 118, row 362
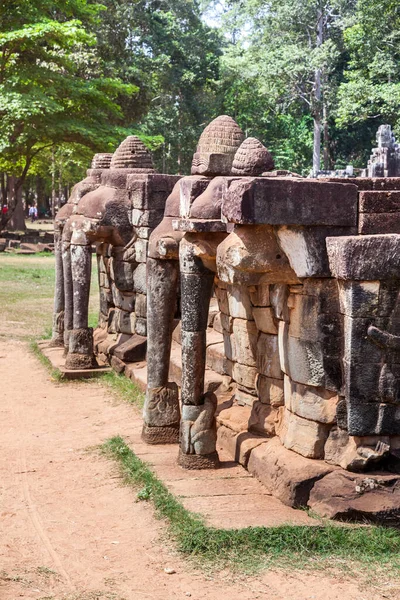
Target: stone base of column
column 168, row 434
column 57, row 341
column 198, row 461
column 75, row 361
column 80, row 355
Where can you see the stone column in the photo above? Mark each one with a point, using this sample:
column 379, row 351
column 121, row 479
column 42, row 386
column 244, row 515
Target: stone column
column 58, row 314
column 80, row 354
column 161, row 410
column 198, row 427
column 68, row 293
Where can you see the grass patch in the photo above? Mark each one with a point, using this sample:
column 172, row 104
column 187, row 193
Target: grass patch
column 255, row 547
column 123, row 388
column 26, row 295
column 36, row 351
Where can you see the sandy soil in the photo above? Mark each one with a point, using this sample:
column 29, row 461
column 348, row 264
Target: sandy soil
column 70, row 531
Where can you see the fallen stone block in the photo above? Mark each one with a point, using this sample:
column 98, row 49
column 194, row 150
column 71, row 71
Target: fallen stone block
column 349, row 497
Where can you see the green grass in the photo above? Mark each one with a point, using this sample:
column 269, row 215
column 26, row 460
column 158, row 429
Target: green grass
column 26, row 295
column 123, row 388
column 255, row 547
column 36, row 351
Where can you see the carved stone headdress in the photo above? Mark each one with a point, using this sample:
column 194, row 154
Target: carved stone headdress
column 217, row 146
column 132, row 154
column 101, row 161
column 252, row 158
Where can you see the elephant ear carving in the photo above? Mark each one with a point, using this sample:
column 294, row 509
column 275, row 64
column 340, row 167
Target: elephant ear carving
column 132, row 154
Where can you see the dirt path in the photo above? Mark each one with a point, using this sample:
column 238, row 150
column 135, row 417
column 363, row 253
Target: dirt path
column 69, row 530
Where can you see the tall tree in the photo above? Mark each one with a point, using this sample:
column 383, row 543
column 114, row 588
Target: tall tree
column 51, row 87
column 371, row 92
column 287, row 52
column 173, row 55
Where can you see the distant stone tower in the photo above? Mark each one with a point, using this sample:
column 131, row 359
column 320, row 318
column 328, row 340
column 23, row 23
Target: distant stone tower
column 385, row 159
column 217, row 147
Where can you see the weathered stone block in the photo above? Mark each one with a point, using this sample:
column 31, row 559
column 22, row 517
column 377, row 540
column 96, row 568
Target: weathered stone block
column 365, row 257
column 313, row 403
column 146, row 218
column 117, row 364
column 244, row 398
column 379, row 202
column 290, row 201
column 141, row 305
column 124, row 321
column 270, row 391
column 239, row 302
column 372, row 418
column 307, row 364
column 263, row 418
column 357, row 343
column 279, row 294
column 228, row 348
column 244, row 375
column 141, row 326
column 306, row 248
column 301, row 435
column 222, row 297
column 244, row 341
column 264, row 319
column 359, row 298
column 144, row 232
column 286, row 475
column 141, row 247
column 238, row 445
column 132, row 350
column 122, row 275
column 378, row 223
column 268, row 363
column 217, row 360
column 235, row 418
column 217, row 325
column 139, row 279
column 190, row 188
column 259, row 295
column 327, row 292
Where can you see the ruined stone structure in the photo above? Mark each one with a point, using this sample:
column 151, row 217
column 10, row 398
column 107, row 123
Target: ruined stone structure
column 115, row 210
column 90, row 183
column 272, row 317
column 385, row 159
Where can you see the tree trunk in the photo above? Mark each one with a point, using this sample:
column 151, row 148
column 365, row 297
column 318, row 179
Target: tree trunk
column 326, row 139
column 53, row 184
column 16, row 221
column 40, row 195
column 3, row 188
column 317, row 102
